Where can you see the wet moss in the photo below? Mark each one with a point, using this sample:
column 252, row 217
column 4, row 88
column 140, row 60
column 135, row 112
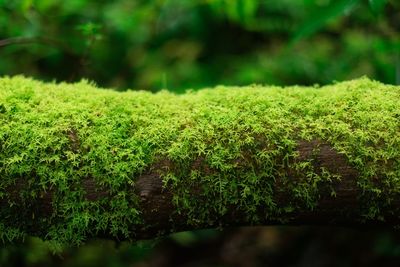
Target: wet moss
column 229, row 147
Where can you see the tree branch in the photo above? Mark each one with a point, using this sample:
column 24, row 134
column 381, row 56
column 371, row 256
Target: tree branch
column 37, row 40
column 78, row 162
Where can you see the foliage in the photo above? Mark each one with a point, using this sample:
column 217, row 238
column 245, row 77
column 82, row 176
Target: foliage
column 231, row 144
column 192, row 44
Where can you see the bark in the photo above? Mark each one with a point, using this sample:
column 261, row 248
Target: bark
column 156, row 166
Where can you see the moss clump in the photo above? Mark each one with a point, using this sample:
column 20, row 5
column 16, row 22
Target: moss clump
column 230, row 147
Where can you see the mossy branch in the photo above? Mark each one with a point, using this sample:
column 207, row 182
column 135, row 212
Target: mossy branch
column 78, row 162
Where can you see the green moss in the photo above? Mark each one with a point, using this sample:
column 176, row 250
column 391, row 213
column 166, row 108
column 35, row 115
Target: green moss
column 234, row 147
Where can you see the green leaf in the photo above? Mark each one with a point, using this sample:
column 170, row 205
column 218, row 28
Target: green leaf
column 377, row 6
column 89, row 28
column 26, row 5
column 322, row 16
column 238, row 10
column 246, row 9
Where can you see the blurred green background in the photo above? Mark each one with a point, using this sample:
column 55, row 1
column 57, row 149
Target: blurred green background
column 190, row 44
column 180, row 44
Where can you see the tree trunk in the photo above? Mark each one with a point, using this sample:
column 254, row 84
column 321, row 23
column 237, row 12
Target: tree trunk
column 78, row 162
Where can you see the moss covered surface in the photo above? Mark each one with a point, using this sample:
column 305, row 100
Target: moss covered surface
column 228, row 147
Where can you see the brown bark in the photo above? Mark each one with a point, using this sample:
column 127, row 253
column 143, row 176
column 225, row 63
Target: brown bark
column 159, row 216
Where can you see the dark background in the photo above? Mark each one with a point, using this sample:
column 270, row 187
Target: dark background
column 183, row 44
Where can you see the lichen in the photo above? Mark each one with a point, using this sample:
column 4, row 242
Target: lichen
column 229, row 147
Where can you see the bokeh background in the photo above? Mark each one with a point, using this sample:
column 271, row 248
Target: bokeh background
column 191, row 44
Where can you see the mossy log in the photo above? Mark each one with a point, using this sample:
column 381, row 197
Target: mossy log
column 78, row 162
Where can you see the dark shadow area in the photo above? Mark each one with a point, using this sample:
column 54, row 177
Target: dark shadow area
column 247, row 246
